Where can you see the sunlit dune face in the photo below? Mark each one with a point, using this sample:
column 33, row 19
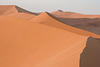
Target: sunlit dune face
column 34, row 45
column 48, row 19
column 23, row 16
column 29, row 39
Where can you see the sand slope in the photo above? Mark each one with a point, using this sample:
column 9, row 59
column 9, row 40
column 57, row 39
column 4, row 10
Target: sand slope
column 92, row 27
column 89, row 23
column 10, row 9
column 28, row 40
column 74, row 21
column 91, row 54
column 63, row 14
column 7, row 9
column 48, row 19
column 22, row 15
column 28, row 44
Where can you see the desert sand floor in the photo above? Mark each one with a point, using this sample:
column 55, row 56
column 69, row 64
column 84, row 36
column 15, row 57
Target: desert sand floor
column 29, row 39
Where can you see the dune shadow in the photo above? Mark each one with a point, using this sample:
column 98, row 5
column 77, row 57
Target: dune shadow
column 90, row 57
column 74, row 21
column 25, row 11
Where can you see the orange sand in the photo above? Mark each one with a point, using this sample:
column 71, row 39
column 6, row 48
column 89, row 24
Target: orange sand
column 28, row 40
column 48, row 19
column 10, row 9
column 63, row 14
column 23, row 16
column 27, row 44
column 89, row 23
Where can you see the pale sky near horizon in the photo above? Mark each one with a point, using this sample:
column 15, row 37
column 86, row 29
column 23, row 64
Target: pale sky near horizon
column 79, row 6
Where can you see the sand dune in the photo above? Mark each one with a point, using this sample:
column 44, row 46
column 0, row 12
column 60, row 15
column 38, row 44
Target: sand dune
column 91, row 25
column 74, row 21
column 48, row 19
column 23, row 15
column 92, row 16
column 10, row 9
column 7, row 9
column 19, row 9
column 88, row 22
column 28, row 44
column 63, row 14
column 28, row 39
column 91, row 54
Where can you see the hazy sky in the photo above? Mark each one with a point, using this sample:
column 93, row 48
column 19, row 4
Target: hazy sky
column 80, row 6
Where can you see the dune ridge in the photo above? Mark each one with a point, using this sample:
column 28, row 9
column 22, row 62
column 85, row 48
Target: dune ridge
column 48, row 19
column 63, row 14
column 22, row 15
column 28, row 39
column 10, row 9
column 34, row 45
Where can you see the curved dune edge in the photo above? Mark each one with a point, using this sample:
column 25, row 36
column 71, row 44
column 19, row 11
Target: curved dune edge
column 48, row 19
column 7, row 9
column 10, row 9
column 90, row 55
column 27, row 44
column 63, row 14
column 28, row 40
column 17, row 12
column 22, row 15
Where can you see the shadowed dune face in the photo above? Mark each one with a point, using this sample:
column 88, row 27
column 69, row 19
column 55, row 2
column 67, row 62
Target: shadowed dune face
column 88, row 24
column 27, row 44
column 90, row 56
column 48, row 19
column 62, row 14
column 92, row 27
column 25, row 11
column 28, row 40
column 74, row 21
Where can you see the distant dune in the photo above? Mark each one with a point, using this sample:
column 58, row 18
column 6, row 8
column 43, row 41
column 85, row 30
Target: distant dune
column 48, row 19
column 85, row 22
column 29, row 39
column 9, row 9
column 15, row 11
column 63, row 14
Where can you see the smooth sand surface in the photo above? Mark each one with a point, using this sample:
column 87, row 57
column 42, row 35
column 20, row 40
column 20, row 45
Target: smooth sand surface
column 28, row 39
column 22, row 15
column 7, row 9
column 48, row 19
column 28, row 44
column 63, row 14
column 10, row 9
